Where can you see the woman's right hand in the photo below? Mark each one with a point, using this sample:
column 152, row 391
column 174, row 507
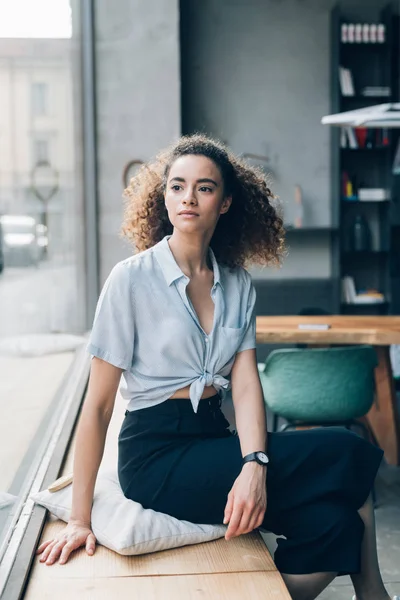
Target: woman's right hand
column 74, row 536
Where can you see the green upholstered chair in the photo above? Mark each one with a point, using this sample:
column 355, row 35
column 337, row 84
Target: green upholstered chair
column 319, row 386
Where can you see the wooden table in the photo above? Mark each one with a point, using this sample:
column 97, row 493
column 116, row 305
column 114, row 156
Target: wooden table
column 378, row 331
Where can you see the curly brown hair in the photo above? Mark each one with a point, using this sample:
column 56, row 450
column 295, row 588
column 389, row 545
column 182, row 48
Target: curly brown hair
column 250, row 232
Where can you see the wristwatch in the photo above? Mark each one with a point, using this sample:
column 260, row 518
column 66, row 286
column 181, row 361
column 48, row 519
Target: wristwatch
column 259, row 457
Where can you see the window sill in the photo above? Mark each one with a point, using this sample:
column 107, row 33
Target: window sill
column 19, row 546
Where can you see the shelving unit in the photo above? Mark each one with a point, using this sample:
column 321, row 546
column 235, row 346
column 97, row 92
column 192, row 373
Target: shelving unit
column 376, row 265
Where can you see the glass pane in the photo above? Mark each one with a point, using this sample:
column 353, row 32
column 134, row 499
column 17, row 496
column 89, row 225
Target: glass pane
column 39, row 98
column 41, row 250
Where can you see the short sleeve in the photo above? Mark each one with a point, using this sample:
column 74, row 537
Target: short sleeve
column 249, row 340
column 112, row 335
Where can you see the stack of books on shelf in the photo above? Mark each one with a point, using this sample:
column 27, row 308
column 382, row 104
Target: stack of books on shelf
column 373, row 194
column 376, row 90
column 363, row 33
column 347, row 87
column 350, row 192
column 350, row 296
column 348, row 138
column 361, row 137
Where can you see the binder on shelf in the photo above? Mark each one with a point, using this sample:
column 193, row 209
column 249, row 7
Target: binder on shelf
column 385, row 141
column 370, row 140
column 343, row 137
column 361, row 134
column 352, row 138
column 348, row 290
column 349, row 78
column 346, row 82
column 396, row 161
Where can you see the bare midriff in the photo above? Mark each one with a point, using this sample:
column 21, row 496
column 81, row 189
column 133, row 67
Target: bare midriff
column 184, row 392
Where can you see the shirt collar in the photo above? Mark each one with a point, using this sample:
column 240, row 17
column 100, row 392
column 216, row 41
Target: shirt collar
column 170, row 267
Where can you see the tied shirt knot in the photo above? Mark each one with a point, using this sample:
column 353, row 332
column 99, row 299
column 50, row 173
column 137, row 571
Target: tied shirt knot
column 206, row 379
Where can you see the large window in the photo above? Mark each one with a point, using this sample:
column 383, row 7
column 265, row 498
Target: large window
column 42, row 299
column 39, row 98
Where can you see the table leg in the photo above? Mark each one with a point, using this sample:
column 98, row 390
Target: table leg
column 383, row 417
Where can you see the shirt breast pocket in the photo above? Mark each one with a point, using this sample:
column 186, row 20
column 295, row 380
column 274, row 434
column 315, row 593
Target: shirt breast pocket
column 229, row 341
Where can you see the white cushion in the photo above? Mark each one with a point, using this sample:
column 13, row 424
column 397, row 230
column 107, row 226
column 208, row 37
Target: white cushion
column 125, row 526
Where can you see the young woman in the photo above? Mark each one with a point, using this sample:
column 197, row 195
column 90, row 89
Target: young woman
column 177, row 320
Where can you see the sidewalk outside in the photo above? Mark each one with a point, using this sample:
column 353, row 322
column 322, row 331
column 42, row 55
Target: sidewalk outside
column 27, row 387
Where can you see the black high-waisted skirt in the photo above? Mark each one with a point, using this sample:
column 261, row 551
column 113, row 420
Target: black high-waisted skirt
column 184, row 464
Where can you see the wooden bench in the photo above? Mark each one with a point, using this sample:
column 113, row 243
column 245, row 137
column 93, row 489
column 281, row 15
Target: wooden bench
column 241, row 568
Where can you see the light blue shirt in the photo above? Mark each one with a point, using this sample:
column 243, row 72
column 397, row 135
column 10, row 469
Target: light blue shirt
column 146, row 325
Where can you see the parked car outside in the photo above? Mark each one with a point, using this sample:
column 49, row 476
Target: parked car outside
column 20, row 240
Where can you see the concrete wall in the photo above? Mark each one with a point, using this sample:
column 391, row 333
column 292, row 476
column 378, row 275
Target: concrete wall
column 138, row 100
column 256, row 73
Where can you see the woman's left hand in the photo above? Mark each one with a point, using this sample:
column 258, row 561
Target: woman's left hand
column 247, row 500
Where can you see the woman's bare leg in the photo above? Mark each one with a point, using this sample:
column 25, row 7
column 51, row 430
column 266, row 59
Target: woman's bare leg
column 307, row 587
column 368, row 583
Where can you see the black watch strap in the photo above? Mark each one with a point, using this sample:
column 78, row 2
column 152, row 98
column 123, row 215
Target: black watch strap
column 260, row 457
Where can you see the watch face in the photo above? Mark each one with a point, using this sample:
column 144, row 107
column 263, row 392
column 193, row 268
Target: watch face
column 262, row 457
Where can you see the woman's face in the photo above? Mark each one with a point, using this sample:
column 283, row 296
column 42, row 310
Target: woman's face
column 195, row 184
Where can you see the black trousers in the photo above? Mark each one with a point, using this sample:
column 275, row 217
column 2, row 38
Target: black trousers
column 184, row 464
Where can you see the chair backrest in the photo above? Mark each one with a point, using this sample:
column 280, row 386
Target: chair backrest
column 320, row 384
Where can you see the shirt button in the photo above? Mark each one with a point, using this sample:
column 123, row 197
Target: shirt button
column 206, row 339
